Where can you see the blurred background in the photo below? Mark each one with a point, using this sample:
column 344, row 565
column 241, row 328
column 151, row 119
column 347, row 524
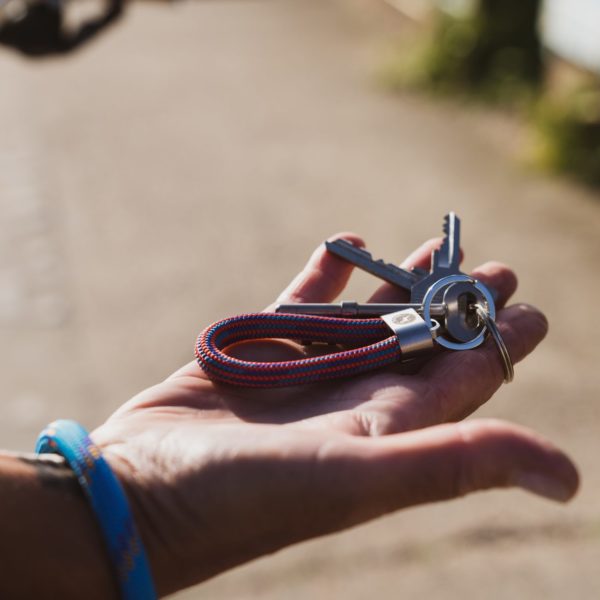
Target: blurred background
column 181, row 167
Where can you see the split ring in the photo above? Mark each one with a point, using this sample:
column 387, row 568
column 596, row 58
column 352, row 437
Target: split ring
column 449, row 280
column 507, row 364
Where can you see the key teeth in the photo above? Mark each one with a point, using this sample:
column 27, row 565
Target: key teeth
column 444, row 249
column 446, row 226
column 361, row 258
column 446, row 229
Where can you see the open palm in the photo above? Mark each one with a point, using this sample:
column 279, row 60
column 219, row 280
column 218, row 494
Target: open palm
column 220, row 475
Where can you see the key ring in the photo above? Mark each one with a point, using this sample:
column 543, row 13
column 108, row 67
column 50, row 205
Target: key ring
column 507, row 364
column 445, row 282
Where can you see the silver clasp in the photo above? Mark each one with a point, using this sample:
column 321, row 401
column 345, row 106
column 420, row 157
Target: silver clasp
column 415, row 335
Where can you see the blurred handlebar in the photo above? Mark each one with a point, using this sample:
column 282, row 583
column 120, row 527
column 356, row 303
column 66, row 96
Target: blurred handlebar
column 47, row 27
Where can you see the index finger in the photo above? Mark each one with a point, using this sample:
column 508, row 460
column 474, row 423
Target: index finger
column 321, row 280
column 323, row 277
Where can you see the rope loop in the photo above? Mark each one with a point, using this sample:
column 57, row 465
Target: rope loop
column 381, row 349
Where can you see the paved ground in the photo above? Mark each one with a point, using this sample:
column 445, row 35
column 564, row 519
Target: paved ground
column 181, row 169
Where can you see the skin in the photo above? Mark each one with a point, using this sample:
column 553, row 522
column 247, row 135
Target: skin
column 218, row 475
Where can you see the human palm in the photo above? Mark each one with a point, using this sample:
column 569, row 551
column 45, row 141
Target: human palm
column 219, row 475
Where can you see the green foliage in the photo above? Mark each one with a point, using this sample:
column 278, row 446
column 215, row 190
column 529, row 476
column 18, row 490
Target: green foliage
column 495, row 54
column 569, row 134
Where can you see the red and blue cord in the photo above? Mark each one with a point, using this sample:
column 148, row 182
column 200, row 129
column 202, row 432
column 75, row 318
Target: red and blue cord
column 382, row 349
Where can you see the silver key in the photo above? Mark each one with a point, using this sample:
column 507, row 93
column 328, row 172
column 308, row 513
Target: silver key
column 444, row 262
column 461, row 323
column 355, row 309
column 363, row 260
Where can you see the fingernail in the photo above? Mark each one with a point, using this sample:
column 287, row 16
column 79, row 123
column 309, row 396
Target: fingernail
column 544, row 486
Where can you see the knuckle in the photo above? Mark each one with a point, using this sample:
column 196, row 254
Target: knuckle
column 372, row 424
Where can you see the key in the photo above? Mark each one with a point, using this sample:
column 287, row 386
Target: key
column 355, row 309
column 363, row 260
column 406, row 280
column 448, row 256
column 461, row 323
column 444, row 261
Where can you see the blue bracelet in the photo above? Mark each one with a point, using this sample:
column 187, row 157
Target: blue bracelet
column 109, row 503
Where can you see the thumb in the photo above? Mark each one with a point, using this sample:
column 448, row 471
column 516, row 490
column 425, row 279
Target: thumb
column 374, row 476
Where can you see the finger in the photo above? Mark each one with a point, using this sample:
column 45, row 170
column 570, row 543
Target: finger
column 462, row 381
column 421, row 258
column 448, row 387
column 324, row 276
column 498, row 277
column 374, row 476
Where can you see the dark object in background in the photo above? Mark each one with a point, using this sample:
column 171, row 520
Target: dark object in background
column 506, row 42
column 36, row 27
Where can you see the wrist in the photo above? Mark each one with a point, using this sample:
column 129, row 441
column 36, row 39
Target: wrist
column 48, row 528
column 189, row 537
column 150, row 508
column 109, row 504
column 143, row 513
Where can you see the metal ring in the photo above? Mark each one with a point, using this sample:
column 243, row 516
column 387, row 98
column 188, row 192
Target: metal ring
column 449, row 280
column 507, row 364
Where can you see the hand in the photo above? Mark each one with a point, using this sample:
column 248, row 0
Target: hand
column 220, row 475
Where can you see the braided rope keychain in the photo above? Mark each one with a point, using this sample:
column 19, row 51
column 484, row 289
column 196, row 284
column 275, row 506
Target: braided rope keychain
column 379, row 349
column 466, row 307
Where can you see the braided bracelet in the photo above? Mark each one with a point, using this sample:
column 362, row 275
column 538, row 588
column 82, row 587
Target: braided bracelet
column 109, row 504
